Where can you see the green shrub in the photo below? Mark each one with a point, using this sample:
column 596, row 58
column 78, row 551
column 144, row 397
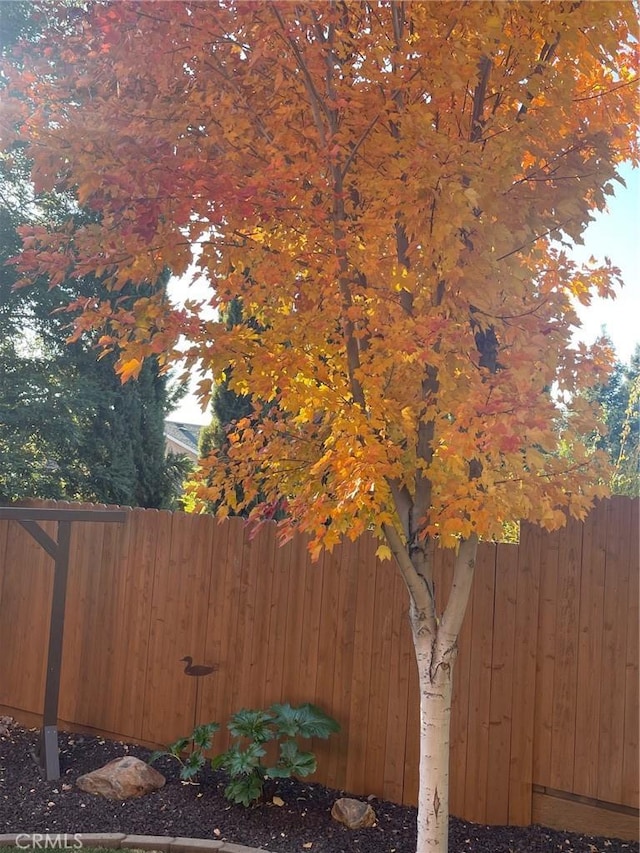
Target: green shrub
column 243, row 761
column 251, row 729
column 197, row 743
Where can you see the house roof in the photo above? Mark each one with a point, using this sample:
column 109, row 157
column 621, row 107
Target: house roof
column 184, row 435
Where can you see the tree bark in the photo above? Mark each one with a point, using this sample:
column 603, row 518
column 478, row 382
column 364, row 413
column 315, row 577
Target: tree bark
column 436, row 652
column 435, row 717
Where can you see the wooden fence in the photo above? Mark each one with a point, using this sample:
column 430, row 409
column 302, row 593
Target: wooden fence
column 545, row 712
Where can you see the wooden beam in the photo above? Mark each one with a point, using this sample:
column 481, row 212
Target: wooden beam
column 20, row 513
column 42, row 538
column 569, row 814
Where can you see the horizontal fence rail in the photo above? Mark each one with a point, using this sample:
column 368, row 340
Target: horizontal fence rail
column 545, row 689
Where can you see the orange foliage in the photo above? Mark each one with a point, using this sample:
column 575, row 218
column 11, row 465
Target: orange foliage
column 384, row 186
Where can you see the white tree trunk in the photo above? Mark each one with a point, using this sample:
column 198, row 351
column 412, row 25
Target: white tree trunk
column 435, row 717
column 436, row 645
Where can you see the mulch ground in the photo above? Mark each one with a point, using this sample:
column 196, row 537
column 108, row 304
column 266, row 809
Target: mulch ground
column 28, row 803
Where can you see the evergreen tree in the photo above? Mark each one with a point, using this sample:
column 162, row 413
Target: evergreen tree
column 227, row 407
column 620, row 400
column 69, row 429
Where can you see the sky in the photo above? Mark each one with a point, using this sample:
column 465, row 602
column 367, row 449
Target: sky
column 614, row 234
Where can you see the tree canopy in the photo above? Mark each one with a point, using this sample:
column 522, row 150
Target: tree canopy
column 395, row 178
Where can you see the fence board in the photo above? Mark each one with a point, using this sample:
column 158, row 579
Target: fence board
column 178, row 619
column 475, row 800
column 614, row 650
column 4, row 532
column 248, row 682
column 24, row 627
column 460, row 706
column 545, row 656
column 292, row 687
column 631, row 751
column 381, row 675
column 409, row 699
column 411, row 775
column 524, row 677
column 313, row 573
column 400, row 659
column 501, row 680
column 278, row 606
column 594, row 545
column 84, row 627
column 134, row 591
column 362, row 665
column 327, row 651
column 262, row 570
column 343, row 667
column 232, row 601
column 224, row 597
column 211, row 691
column 566, row 658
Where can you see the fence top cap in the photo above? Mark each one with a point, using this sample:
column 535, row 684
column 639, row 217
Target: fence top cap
column 23, row 513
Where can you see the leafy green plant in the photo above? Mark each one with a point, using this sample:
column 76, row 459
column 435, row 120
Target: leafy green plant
column 243, row 761
column 198, row 742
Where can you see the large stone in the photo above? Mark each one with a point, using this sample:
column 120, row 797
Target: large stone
column 354, row 814
column 122, row 779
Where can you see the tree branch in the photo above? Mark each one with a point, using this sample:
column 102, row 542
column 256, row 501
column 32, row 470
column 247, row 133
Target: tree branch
column 354, row 150
column 317, row 104
column 463, row 571
column 484, row 67
column 422, row 600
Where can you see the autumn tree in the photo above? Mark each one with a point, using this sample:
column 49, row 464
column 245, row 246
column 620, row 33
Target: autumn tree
column 397, row 178
column 228, row 408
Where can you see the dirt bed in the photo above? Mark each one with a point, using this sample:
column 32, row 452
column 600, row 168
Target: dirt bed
column 28, row 803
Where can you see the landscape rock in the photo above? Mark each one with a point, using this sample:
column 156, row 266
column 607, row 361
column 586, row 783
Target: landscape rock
column 5, row 724
column 122, row 779
column 354, row 814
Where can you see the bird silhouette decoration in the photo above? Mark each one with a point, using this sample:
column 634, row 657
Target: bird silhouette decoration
column 197, row 669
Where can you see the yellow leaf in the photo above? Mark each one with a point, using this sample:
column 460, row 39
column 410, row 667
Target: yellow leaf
column 383, row 552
